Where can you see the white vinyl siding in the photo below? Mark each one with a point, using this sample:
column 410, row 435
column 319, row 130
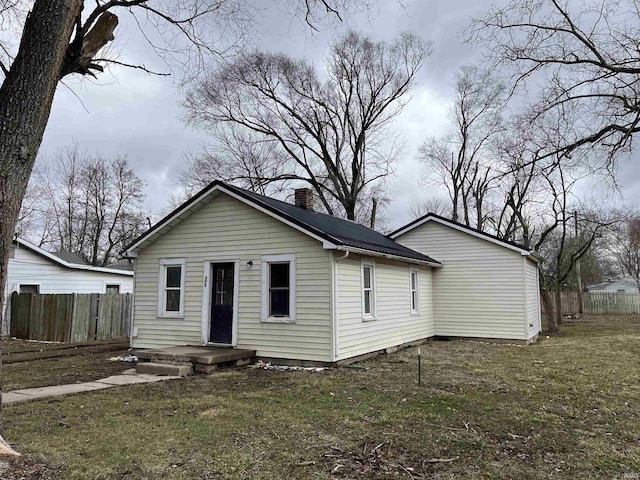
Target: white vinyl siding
column 532, row 294
column 479, row 291
column 394, row 324
column 226, row 229
column 29, row 268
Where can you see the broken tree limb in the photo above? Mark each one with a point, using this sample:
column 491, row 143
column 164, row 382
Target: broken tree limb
column 442, row 460
column 5, row 448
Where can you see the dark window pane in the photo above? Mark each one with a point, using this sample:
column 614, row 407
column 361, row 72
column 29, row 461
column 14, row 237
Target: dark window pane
column 367, row 277
column 29, row 288
column 113, row 288
column 413, row 280
column 173, row 276
column 367, row 302
column 279, row 275
column 414, row 301
column 279, row 303
column 173, row 300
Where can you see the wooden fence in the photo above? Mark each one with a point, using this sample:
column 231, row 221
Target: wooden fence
column 601, row 303
column 612, row 302
column 571, row 303
column 70, row 317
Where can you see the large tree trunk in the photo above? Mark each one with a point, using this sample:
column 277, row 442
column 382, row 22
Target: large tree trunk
column 549, row 311
column 558, row 301
column 26, row 96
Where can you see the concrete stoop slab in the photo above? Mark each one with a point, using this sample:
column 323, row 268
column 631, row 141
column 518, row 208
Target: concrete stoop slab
column 164, row 369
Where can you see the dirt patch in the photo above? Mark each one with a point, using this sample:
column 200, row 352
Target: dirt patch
column 84, row 366
column 15, row 351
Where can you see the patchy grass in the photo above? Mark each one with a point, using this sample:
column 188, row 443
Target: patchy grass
column 564, row 408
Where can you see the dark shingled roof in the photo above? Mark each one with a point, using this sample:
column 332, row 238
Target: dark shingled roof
column 334, row 229
column 70, row 257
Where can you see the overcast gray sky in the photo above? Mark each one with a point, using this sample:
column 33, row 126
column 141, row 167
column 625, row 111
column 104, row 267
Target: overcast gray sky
column 127, row 112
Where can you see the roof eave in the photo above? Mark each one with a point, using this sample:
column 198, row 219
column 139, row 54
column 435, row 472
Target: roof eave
column 373, row 253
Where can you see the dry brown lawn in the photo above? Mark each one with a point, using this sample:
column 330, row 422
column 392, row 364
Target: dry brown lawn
column 567, row 407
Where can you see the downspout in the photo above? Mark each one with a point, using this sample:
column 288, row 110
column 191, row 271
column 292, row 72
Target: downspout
column 336, row 349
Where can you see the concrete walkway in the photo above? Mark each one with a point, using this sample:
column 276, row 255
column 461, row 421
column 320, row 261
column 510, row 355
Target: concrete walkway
column 129, row 377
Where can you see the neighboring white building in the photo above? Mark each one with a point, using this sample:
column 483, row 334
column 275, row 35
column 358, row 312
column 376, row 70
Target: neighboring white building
column 34, row 270
column 233, row 268
column 487, row 288
column 625, row 284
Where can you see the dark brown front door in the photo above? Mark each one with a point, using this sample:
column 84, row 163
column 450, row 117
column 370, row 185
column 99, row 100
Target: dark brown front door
column 221, row 303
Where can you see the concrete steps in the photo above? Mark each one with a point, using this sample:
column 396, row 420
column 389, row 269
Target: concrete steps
column 187, row 360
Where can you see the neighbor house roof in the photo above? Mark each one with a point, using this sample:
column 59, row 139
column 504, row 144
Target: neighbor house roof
column 70, row 257
column 55, row 258
column 333, row 232
column 432, row 217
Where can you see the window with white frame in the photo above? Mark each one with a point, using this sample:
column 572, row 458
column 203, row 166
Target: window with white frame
column 171, row 288
column 112, row 288
column 278, row 288
column 415, row 295
column 368, row 291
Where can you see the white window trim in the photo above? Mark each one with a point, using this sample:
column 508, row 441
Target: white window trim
column 106, row 283
column 19, row 286
column 164, row 262
column 415, row 311
column 366, row 317
column 265, row 261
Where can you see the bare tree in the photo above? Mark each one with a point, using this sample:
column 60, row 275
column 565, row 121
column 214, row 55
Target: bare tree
column 241, row 157
column 435, row 205
column 334, row 133
column 626, row 248
column 58, row 38
column 89, row 206
column 461, row 158
column 581, row 56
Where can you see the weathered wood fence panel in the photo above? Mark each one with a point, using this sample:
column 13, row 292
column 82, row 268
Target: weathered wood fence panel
column 570, row 303
column 70, row 317
column 612, row 302
column 602, row 303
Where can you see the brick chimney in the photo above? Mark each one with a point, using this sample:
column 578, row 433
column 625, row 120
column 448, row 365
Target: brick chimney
column 304, row 198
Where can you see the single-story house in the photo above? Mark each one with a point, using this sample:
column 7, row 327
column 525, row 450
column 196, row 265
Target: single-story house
column 234, row 268
column 34, row 270
column 487, row 288
column 622, row 285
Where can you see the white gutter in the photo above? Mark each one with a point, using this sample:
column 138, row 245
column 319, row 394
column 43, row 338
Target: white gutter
column 334, row 265
column 390, row 256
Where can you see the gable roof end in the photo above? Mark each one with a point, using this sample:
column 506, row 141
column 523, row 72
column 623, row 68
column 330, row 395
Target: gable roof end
column 432, row 217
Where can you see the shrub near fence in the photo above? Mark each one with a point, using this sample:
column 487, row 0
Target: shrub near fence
column 70, row 317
